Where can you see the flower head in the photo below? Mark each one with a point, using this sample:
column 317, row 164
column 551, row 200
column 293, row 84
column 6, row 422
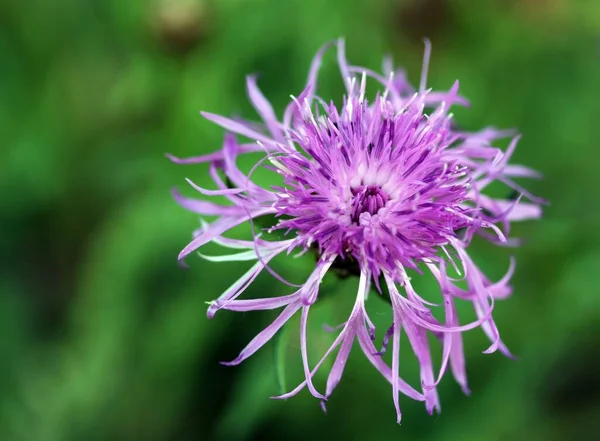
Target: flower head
column 383, row 187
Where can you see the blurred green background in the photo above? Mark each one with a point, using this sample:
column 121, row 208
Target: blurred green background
column 104, row 337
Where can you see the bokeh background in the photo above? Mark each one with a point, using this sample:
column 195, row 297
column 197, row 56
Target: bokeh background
column 104, row 337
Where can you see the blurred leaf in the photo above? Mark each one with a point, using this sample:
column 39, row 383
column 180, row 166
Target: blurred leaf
column 249, row 403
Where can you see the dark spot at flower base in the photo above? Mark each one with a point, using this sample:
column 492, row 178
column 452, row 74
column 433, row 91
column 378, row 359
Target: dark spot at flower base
column 229, row 183
column 345, row 267
column 342, row 267
column 513, row 195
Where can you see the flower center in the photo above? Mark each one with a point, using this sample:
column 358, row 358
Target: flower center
column 367, row 198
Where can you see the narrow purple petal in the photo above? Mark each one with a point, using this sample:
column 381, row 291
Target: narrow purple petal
column 219, row 227
column 237, row 127
column 521, row 171
column 212, row 157
column 230, row 149
column 206, row 208
column 264, row 109
column 235, row 290
column 310, row 290
column 348, row 333
column 501, row 289
column 417, row 337
column 369, row 350
column 265, row 335
column 396, row 356
column 343, row 63
column 301, row 386
column 457, row 355
column 425, row 68
column 335, row 375
column 257, row 304
column 215, row 229
column 304, row 351
column 220, row 192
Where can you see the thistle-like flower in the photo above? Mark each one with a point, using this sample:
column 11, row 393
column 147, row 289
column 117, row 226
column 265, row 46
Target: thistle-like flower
column 384, row 187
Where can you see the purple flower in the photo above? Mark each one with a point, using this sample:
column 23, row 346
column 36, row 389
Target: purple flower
column 383, row 187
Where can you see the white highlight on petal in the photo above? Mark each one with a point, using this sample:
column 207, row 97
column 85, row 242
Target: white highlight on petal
column 237, row 257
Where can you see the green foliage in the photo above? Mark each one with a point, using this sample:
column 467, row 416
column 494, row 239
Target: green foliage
column 104, row 336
